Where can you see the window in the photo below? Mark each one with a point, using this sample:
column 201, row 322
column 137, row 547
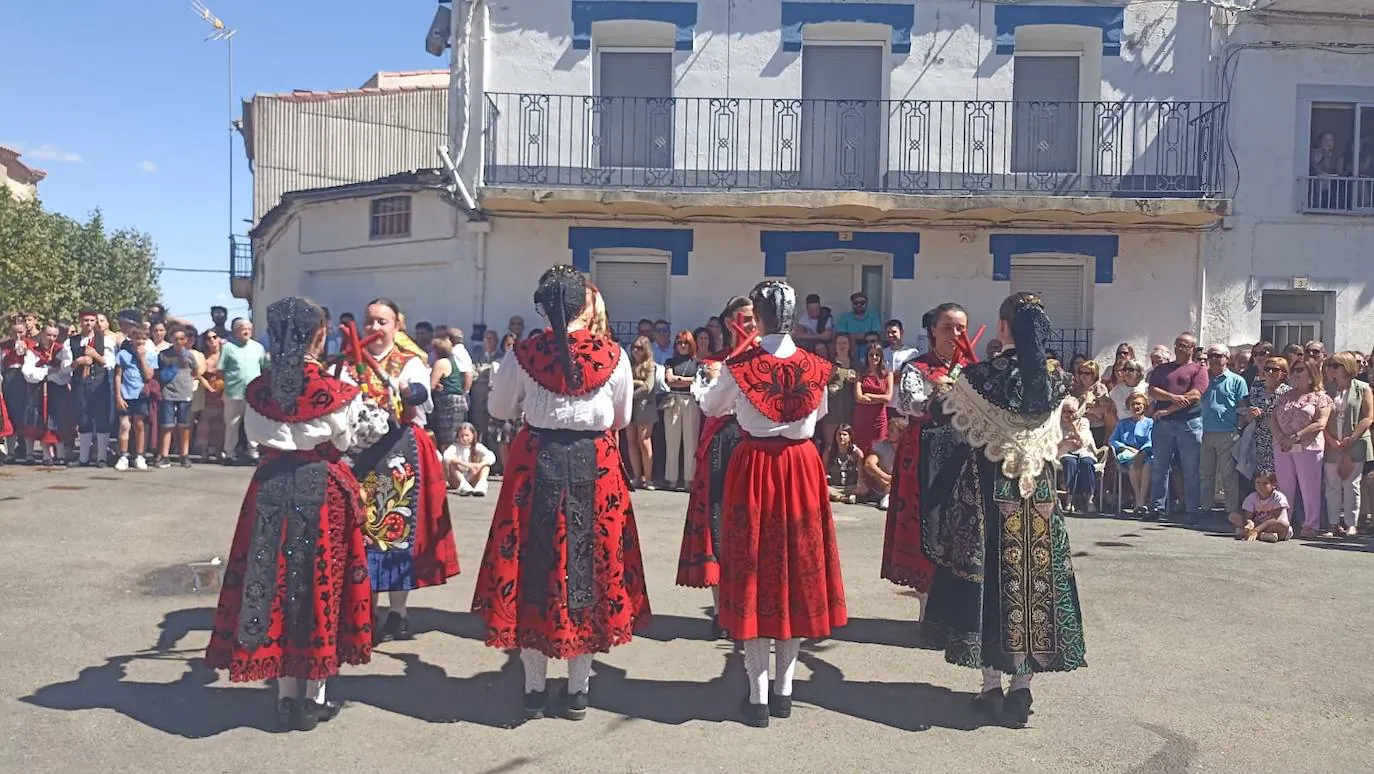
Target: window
column 1292, row 317
column 390, row 217
column 1340, row 161
column 1044, row 114
column 632, row 289
column 636, row 112
column 1060, row 287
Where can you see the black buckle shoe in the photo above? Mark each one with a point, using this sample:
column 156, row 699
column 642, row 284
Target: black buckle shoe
column 535, row 704
column 395, row 628
column 286, row 713
column 1016, row 709
column 576, row 708
column 755, row 715
column 310, row 713
column 779, row 706
column 989, row 703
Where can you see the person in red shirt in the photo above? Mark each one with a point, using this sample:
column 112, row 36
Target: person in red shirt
column 1176, row 391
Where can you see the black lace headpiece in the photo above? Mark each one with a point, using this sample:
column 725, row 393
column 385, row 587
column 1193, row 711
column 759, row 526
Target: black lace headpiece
column 1019, row 379
column 291, row 324
column 775, row 306
column 562, row 295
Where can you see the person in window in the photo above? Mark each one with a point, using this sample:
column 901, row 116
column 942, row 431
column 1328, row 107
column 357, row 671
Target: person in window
column 296, row 602
column 992, row 515
column 1299, row 423
column 1133, row 450
column 644, row 413
column 562, row 575
column 1348, row 447
column 859, row 322
column 681, row 417
column 1325, row 161
column 871, row 394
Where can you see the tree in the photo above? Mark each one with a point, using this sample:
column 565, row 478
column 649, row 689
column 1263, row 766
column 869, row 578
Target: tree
column 56, row 266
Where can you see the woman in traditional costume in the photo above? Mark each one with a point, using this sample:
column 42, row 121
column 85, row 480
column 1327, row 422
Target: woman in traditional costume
column 780, row 576
column 295, row 603
column 698, row 564
column 408, row 533
column 921, row 448
column 1004, row 598
column 47, row 370
column 562, row 575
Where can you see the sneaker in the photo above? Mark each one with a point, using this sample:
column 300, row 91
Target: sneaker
column 140, row 463
column 850, row 499
column 882, row 504
column 122, row 464
column 162, row 462
column 186, row 462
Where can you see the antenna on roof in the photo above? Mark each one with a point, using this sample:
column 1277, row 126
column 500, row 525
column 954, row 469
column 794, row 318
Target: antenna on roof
column 221, row 31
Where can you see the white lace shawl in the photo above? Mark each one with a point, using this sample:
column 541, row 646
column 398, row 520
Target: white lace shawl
column 1022, row 444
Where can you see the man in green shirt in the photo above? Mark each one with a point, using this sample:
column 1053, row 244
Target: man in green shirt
column 858, row 323
column 241, row 360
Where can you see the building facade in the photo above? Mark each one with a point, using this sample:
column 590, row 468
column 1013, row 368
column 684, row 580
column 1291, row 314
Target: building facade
column 19, row 178
column 679, row 152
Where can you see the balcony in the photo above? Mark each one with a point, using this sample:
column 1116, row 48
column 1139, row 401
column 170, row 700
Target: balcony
column 903, row 159
column 1329, row 195
column 240, row 267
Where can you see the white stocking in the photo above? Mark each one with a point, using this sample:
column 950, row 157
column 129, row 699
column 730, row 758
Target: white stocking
column 992, row 679
column 536, row 669
column 785, row 654
column 314, row 691
column 396, row 602
column 715, row 599
column 288, row 687
column 579, row 673
column 756, row 667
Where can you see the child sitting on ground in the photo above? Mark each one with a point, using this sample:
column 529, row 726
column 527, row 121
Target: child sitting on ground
column 1264, row 515
column 843, row 462
column 467, row 463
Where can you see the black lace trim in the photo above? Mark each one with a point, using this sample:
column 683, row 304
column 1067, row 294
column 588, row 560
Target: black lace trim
column 290, row 493
column 1002, row 384
column 565, row 476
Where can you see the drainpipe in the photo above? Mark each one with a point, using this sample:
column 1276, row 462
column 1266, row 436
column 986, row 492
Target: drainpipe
column 1202, row 288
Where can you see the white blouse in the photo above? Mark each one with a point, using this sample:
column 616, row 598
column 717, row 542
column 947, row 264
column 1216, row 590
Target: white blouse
column 722, row 397
column 479, row 456
column 415, row 371
column 605, row 408
column 355, row 426
column 59, row 371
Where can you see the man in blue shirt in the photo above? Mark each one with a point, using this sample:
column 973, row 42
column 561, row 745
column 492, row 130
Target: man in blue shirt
column 1225, row 392
column 858, row 323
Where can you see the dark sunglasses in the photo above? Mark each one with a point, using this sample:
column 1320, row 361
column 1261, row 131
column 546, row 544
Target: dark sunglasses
column 1314, row 352
column 1273, row 370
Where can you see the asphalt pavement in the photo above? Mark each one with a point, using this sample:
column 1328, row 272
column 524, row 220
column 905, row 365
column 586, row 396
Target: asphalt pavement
column 1205, row 655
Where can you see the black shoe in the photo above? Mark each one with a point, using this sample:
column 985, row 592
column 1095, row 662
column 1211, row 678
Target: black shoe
column 1152, row 515
column 576, row 708
column 395, row 628
column 535, row 704
column 1016, row 708
column 989, row 703
column 755, row 715
column 286, row 713
column 779, row 706
column 310, row 713
column 186, row 462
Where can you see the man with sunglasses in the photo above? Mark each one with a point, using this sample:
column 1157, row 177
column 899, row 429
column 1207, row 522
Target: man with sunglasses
column 1176, row 389
column 663, row 341
column 1225, row 392
column 859, row 323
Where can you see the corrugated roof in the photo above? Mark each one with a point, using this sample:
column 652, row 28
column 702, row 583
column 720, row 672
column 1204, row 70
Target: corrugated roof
column 381, row 85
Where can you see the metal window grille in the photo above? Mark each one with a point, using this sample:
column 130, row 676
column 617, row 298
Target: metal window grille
column 390, row 217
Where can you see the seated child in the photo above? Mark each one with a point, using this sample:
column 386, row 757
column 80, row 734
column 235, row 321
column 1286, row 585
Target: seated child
column 1264, row 515
column 467, row 463
column 842, row 465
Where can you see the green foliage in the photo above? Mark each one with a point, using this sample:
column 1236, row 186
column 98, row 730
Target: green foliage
column 56, row 266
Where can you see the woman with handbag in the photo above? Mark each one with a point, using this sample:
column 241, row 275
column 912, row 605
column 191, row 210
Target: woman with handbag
column 1348, row 445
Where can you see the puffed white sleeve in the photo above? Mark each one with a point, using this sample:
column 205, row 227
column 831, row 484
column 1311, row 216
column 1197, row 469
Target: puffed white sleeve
column 720, row 396
column 485, row 456
column 32, row 371
column 507, row 392
column 358, row 425
column 913, row 390
column 416, row 372
column 622, row 392
column 701, row 383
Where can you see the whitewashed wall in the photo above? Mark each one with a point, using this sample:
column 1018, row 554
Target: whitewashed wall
column 1267, row 242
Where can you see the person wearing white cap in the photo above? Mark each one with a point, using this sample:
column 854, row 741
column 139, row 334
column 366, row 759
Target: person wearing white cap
column 1225, row 392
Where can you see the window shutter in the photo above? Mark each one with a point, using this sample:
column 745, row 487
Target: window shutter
column 1059, row 286
column 633, row 289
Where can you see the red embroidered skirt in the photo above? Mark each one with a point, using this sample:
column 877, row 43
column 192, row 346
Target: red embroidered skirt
column 340, row 597
column 779, row 565
column 562, row 572
column 904, row 560
column 698, row 562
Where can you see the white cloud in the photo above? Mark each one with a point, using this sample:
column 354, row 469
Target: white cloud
column 49, row 153
column 147, row 166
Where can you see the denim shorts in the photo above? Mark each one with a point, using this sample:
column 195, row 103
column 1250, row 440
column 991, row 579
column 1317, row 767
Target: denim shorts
column 136, row 407
column 174, row 413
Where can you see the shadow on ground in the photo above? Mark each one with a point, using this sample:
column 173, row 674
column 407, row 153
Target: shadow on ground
column 198, row 704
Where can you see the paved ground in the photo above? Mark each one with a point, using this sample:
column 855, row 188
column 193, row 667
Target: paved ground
column 1205, row 655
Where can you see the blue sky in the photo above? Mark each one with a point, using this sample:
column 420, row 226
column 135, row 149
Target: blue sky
column 126, row 107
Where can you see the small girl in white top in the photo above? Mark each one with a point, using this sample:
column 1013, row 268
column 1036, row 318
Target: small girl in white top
column 1264, row 514
column 467, row 463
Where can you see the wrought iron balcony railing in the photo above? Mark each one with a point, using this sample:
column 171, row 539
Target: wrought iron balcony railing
column 1125, row 149
column 240, row 258
column 1338, row 195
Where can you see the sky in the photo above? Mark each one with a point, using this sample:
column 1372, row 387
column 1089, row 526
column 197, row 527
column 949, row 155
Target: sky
column 126, row 106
